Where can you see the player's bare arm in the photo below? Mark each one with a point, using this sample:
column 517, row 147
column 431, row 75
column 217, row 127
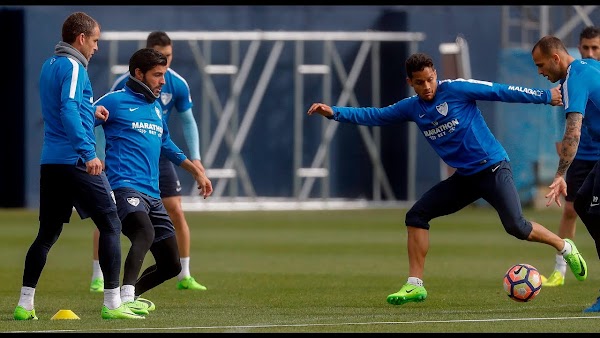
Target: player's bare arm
column 566, row 152
column 570, row 142
column 198, row 164
column 204, row 184
column 321, row 109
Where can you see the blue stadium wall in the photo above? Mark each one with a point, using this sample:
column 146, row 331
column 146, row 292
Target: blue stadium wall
column 41, row 30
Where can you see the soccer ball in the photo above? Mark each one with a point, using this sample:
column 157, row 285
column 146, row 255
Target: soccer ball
column 522, row 282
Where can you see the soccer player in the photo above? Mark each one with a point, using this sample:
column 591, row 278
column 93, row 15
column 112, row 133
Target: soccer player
column 580, row 85
column 70, row 172
column 446, row 112
column 136, row 136
column 588, row 153
column 175, row 95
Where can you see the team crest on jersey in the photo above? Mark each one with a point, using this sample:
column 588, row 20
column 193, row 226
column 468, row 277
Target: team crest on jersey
column 158, row 112
column 165, row 98
column 133, row 201
column 442, row 108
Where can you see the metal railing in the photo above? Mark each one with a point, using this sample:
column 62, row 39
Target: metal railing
column 233, row 126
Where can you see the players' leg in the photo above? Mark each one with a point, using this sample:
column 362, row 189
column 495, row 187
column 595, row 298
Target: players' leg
column 578, row 171
column 56, row 205
column 97, row 283
column 164, row 250
column 94, row 199
column 587, row 207
column 499, row 190
column 444, row 198
column 133, row 208
column 170, row 192
column 585, row 203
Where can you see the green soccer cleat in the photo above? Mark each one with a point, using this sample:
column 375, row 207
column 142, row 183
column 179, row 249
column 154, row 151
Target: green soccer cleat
column 122, row 312
column 189, row 283
column 408, row 293
column 149, row 304
column 576, row 262
column 97, row 285
column 555, row 279
column 22, row 314
column 137, row 307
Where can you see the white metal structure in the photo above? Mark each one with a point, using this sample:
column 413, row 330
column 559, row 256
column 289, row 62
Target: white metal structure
column 522, row 26
column 233, row 126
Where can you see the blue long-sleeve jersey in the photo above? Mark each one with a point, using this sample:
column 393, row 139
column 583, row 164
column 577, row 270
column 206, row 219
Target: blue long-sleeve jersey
column 581, row 94
column 66, row 96
column 451, row 122
column 175, row 95
column 136, row 133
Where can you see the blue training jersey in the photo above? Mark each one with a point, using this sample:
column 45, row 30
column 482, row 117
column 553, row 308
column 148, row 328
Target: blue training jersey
column 451, row 122
column 174, row 94
column 66, row 97
column 136, row 133
column 581, row 94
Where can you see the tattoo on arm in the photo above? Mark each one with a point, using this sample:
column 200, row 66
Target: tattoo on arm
column 570, row 142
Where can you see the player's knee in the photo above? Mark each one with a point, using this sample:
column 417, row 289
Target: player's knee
column 108, row 223
column 417, row 219
column 171, row 270
column 173, row 206
column 520, row 228
column 139, row 229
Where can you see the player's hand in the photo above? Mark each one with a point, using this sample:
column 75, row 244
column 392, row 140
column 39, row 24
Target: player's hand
column 557, row 188
column 321, row 109
column 556, row 96
column 94, row 167
column 204, row 185
column 101, row 113
column 198, row 164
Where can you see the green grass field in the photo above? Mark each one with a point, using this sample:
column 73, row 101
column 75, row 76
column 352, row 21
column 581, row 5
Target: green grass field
column 312, row 271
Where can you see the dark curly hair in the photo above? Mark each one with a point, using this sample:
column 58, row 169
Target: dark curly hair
column 417, row 62
column 145, row 59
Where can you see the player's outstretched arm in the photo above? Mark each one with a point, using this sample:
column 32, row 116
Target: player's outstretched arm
column 321, row 109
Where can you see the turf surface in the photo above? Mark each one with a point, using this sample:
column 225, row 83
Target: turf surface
column 312, row 271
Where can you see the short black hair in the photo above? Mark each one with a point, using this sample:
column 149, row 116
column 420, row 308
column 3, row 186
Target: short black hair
column 549, row 44
column 78, row 23
column 158, row 38
column 417, row 62
column 589, row 32
column 145, row 59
